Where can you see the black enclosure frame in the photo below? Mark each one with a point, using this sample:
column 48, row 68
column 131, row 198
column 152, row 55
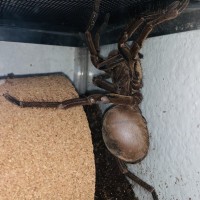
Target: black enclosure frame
column 61, row 22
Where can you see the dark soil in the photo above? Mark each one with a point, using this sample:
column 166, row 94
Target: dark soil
column 111, row 184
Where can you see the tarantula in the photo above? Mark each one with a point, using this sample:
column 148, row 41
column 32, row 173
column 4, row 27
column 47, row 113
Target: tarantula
column 124, row 129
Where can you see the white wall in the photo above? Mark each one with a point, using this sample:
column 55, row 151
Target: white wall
column 171, row 105
column 23, row 58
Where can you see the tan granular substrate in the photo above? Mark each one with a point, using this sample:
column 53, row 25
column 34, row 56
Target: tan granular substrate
column 45, row 153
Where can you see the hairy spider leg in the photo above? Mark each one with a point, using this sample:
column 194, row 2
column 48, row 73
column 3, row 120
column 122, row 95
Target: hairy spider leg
column 123, row 168
column 100, row 81
column 94, row 15
column 99, row 31
column 44, row 104
column 92, row 99
column 171, row 12
column 124, row 48
column 94, row 49
column 93, row 46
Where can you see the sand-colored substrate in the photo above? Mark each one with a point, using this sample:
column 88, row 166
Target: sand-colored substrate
column 45, row 154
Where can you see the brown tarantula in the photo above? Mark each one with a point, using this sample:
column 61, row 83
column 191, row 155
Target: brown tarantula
column 124, row 128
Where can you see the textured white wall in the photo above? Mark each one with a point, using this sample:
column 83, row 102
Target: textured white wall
column 171, row 105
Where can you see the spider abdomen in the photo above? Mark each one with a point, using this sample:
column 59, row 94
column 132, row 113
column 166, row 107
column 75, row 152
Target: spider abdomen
column 125, row 133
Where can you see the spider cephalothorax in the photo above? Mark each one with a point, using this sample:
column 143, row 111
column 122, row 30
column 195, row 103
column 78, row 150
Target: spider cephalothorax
column 124, row 128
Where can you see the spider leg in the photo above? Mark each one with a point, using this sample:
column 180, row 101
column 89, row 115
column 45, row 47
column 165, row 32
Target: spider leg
column 171, row 12
column 123, row 47
column 89, row 40
column 117, row 99
column 94, row 50
column 40, row 104
column 94, row 15
column 110, row 63
column 100, row 81
column 99, row 31
column 93, row 45
column 133, row 177
column 92, row 99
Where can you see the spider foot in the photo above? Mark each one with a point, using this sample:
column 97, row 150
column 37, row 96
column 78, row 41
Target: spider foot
column 33, row 104
column 123, row 168
column 182, row 5
column 94, row 15
column 12, row 99
column 171, row 12
column 175, row 8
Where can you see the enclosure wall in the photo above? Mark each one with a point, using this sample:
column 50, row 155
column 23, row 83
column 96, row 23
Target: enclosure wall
column 21, row 58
